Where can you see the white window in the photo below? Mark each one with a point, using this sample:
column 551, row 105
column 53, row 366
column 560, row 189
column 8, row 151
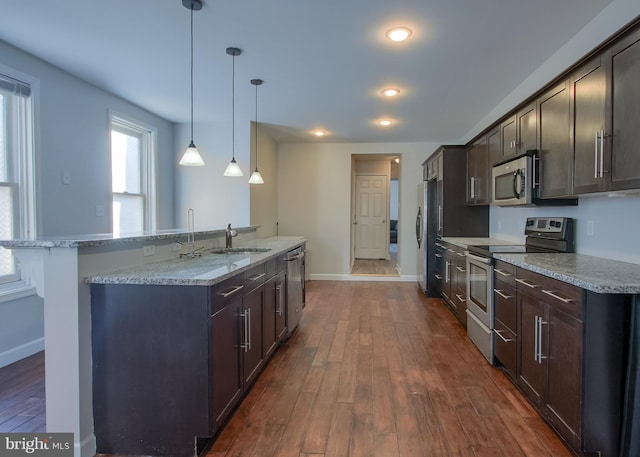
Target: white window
column 132, row 176
column 17, row 196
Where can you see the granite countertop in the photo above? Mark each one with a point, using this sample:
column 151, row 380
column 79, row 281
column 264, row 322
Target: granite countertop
column 100, row 239
column 464, row 242
column 596, row 274
column 207, row 270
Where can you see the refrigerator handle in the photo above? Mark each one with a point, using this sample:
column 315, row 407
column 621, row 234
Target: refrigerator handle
column 419, row 227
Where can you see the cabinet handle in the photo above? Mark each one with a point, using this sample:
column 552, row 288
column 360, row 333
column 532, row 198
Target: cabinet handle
column 501, row 272
column 461, row 298
column 439, row 256
column 446, row 272
column 231, row 291
column 499, row 333
column 256, row 277
column 249, row 325
column 499, row 292
column 279, row 293
column 438, row 277
column 529, row 285
column 601, row 153
column 595, row 164
column 439, row 218
column 460, row 254
column 460, row 269
column 245, row 344
column 558, row 297
column 536, row 337
column 473, row 187
column 540, row 324
column 534, row 181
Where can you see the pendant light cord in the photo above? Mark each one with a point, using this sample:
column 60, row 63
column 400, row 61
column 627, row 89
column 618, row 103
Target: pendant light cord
column 256, row 128
column 192, row 75
column 233, row 108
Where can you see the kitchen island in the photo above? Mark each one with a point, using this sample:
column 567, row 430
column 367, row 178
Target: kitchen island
column 59, row 268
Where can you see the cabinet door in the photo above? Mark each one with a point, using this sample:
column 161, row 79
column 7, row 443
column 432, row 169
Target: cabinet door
column 226, row 376
column 494, row 151
column 478, row 175
column 270, row 309
column 625, row 110
column 564, row 367
column 252, row 334
column 531, row 372
column 509, row 137
column 556, row 160
column 588, row 99
column 527, row 128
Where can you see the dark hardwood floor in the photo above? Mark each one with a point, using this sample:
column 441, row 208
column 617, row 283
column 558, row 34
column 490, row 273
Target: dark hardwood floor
column 375, row 369
column 22, row 403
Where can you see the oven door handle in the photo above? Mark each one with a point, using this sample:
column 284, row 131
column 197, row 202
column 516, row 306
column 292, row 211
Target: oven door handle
column 478, row 258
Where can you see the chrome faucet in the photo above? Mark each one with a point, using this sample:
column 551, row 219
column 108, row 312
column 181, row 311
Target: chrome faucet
column 230, row 234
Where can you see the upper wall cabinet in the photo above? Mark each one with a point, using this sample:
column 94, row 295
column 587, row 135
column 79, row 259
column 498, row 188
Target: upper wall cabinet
column 554, row 140
column 519, row 132
column 606, row 104
column 478, row 173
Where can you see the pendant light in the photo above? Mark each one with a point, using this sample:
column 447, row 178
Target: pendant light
column 233, row 169
column 191, row 156
column 256, row 177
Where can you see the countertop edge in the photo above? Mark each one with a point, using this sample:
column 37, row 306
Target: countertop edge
column 598, row 278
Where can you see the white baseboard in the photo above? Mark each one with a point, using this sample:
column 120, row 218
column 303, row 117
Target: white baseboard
column 326, row 277
column 21, row 352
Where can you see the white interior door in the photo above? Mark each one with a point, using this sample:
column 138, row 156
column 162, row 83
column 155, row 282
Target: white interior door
column 371, row 217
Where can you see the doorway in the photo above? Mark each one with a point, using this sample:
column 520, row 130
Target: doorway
column 375, row 215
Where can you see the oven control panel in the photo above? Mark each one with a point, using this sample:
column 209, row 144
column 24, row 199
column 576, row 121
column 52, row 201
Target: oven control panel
column 549, row 226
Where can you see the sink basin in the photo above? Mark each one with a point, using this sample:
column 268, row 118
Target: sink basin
column 238, row 250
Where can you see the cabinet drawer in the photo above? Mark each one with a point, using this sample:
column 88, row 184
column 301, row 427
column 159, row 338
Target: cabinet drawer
column 529, row 283
column 505, row 305
column 272, row 267
column 223, row 292
column 505, row 272
column 254, row 277
column 506, row 347
column 562, row 295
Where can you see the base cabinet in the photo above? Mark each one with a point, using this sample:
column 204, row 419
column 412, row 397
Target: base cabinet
column 570, row 361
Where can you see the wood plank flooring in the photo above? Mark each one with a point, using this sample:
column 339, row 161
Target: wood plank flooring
column 375, row 369
column 367, row 267
column 22, row 401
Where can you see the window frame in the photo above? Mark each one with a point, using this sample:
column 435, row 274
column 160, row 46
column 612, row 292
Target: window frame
column 148, row 153
column 22, row 178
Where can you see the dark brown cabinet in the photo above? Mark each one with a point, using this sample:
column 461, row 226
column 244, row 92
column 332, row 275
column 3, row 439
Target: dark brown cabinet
column 453, row 279
column 274, row 327
column 519, row 132
column 606, row 101
column 251, row 345
column 478, row 173
column 506, row 317
column 570, row 357
column 554, row 138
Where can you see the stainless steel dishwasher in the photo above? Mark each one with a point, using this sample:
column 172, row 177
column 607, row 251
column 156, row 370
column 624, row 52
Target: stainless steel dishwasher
column 295, row 287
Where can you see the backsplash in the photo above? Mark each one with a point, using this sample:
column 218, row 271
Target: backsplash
column 606, row 226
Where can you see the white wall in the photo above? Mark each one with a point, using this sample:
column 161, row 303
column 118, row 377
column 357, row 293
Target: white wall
column 615, row 221
column 314, row 200
column 264, row 197
column 72, row 135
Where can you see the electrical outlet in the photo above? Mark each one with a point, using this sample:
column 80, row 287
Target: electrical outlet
column 589, row 228
column 148, row 250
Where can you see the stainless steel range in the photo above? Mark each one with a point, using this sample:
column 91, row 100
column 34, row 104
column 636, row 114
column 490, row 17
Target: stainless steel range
column 543, row 234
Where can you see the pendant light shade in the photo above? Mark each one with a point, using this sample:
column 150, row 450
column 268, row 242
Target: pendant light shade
column 191, row 156
column 233, row 169
column 256, row 177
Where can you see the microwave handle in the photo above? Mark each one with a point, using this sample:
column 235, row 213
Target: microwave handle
column 517, row 192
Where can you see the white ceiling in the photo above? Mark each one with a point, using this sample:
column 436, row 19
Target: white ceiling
column 323, row 63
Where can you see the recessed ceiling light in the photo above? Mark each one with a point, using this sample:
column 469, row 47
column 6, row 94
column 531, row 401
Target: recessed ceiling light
column 398, row 33
column 319, row 132
column 391, row 92
column 384, row 122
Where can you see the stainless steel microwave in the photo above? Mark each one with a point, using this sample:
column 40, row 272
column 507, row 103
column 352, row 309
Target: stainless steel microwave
column 513, row 182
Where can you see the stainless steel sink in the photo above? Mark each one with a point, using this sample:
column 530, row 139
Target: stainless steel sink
column 240, row 250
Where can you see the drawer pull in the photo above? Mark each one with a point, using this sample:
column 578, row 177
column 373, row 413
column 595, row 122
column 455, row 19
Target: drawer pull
column 498, row 332
column 438, row 277
column 528, row 284
column 461, row 298
column 460, row 269
column 501, row 272
column 231, row 291
column 499, row 292
column 460, row 254
column 558, row 297
column 256, row 277
column 439, row 256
